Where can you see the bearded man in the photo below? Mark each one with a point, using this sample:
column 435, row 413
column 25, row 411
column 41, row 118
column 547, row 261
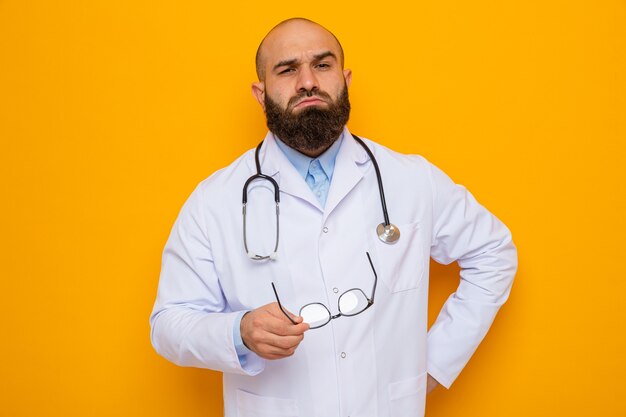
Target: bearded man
column 319, row 308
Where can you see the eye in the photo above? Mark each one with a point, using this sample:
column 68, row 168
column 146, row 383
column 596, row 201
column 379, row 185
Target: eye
column 287, row 70
column 323, row 65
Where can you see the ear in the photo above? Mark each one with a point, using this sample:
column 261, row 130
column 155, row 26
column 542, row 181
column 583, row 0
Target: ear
column 258, row 91
column 347, row 75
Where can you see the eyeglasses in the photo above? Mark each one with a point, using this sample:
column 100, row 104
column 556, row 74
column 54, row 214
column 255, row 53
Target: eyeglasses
column 350, row 303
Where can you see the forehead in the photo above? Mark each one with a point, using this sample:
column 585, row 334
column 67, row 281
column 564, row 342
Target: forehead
column 298, row 40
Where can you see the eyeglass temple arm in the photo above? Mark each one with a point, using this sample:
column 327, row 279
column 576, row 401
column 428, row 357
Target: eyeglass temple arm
column 375, row 277
column 281, row 306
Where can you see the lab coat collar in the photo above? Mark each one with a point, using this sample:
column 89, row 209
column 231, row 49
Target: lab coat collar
column 346, row 175
column 348, row 172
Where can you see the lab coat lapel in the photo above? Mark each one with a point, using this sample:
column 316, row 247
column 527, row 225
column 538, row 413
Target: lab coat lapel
column 348, row 172
column 275, row 163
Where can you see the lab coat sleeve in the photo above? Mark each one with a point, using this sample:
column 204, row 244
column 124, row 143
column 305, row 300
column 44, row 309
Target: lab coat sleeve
column 466, row 232
column 191, row 323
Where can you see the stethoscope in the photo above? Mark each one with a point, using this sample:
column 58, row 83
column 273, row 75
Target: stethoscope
column 386, row 231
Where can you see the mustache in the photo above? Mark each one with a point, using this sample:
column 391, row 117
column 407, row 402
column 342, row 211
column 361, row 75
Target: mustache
column 293, row 101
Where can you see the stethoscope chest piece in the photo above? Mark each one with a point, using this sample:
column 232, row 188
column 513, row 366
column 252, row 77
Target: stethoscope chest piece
column 388, row 233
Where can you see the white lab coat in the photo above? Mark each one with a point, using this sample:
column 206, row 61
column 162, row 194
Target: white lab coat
column 374, row 364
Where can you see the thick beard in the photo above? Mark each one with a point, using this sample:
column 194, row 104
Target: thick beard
column 311, row 129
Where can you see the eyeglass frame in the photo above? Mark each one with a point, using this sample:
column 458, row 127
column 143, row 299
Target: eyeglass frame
column 370, row 301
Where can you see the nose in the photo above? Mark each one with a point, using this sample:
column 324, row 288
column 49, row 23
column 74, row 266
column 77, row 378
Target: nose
column 307, row 81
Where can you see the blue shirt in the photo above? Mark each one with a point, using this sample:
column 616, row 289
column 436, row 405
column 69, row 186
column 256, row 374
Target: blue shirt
column 317, row 173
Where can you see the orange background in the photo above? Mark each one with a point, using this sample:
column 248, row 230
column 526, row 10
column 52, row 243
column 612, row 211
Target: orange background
column 112, row 111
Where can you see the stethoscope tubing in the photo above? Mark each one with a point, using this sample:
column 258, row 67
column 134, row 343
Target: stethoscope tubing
column 386, row 231
column 383, row 202
column 261, row 176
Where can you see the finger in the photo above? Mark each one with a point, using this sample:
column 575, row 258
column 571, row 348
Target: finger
column 274, row 310
column 281, row 327
column 285, row 342
column 264, row 323
column 275, row 351
column 273, row 357
column 282, row 342
column 285, row 328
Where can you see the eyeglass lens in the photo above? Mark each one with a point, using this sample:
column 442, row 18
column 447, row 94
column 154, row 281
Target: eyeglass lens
column 352, row 302
column 315, row 315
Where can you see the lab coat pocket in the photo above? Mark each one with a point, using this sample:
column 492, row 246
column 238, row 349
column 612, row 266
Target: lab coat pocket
column 408, row 397
column 403, row 261
column 252, row 405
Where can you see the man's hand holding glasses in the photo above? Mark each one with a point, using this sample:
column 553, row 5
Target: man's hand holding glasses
column 272, row 332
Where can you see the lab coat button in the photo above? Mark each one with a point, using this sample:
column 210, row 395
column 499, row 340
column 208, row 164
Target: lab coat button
column 335, row 290
column 325, row 229
column 343, row 354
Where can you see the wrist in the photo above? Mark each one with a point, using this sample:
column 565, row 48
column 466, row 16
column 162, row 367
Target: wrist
column 243, row 340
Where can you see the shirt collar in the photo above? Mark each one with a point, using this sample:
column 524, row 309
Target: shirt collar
column 301, row 162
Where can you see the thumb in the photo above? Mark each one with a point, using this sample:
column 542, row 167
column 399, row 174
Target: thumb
column 275, row 310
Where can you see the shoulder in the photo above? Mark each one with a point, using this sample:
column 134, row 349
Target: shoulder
column 396, row 160
column 240, row 167
column 224, row 185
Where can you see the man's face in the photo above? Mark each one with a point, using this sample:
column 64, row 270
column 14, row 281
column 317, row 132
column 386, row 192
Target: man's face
column 311, row 129
column 302, row 68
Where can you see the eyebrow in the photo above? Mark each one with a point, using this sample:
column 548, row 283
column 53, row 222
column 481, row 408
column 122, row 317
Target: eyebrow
column 316, row 57
column 320, row 56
